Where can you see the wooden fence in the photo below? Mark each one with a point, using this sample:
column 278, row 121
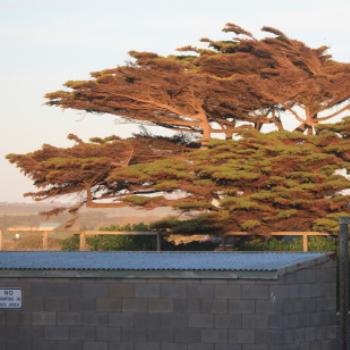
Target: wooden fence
column 85, row 233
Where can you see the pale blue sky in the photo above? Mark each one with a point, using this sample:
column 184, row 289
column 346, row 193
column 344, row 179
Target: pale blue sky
column 46, row 42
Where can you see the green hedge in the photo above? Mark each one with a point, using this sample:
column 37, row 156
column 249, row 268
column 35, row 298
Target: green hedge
column 135, row 243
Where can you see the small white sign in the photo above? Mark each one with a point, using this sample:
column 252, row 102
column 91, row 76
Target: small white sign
column 10, row 298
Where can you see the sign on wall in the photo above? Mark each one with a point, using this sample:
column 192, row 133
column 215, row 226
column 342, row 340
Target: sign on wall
column 10, row 298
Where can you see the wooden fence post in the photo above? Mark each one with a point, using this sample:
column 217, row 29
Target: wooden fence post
column 82, row 241
column 159, row 242
column 305, row 243
column 45, row 240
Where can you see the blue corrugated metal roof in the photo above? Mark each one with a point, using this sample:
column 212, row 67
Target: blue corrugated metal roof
column 182, row 261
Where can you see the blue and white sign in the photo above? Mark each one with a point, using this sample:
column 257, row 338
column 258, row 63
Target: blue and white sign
column 10, row 298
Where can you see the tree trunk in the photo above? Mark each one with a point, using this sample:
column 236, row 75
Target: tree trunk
column 228, row 134
column 206, row 129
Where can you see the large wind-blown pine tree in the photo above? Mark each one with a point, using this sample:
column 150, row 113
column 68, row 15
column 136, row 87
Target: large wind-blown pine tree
column 258, row 182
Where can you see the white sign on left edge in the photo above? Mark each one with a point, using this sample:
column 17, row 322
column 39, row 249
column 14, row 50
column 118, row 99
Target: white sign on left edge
column 10, row 298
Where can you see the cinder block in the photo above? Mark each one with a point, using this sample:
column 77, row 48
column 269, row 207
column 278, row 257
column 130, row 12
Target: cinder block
column 56, row 304
column 173, row 346
column 43, row 318
column 292, row 321
column 310, row 334
column 260, row 347
column 59, row 289
column 201, row 320
column 201, row 346
column 242, row 336
column 270, row 336
column 326, row 304
column 92, row 345
column 22, row 335
column 328, row 290
column 329, row 344
column 194, row 306
column 121, row 320
column 310, row 305
column 134, row 305
column 120, row 346
column 308, row 275
column 34, row 303
column 134, row 335
column 291, row 313
column 160, row 305
column 228, row 321
column 172, row 290
column 279, row 292
column 108, row 333
column 214, row 336
column 216, row 281
column 173, row 320
column 162, row 336
column 94, row 318
column 147, row 290
column 255, row 291
column 95, row 289
column 228, row 346
column 276, row 321
column 109, row 304
column 269, row 306
column 254, row 321
column 56, row 333
column 122, row 289
column 68, row 345
column 227, row 291
column 215, row 306
column 326, row 275
column 187, row 335
column 43, row 344
column 147, row 320
column 18, row 318
column 82, row 332
column 82, row 304
column 181, row 305
column 69, row 318
column 13, row 344
column 242, row 306
column 200, row 291
column 147, row 346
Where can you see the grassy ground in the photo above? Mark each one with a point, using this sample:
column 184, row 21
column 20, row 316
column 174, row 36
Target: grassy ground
column 33, row 241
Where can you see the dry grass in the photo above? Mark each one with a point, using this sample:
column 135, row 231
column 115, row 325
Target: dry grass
column 32, row 241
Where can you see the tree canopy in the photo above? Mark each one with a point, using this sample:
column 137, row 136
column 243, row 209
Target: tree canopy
column 216, row 89
column 251, row 181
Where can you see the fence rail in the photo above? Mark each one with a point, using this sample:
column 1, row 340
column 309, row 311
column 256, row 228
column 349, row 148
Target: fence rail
column 84, row 233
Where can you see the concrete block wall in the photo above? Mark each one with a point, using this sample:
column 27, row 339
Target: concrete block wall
column 295, row 312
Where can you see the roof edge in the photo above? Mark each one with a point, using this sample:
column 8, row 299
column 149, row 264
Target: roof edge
column 138, row 274
column 305, row 264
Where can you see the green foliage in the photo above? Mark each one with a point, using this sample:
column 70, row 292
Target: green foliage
column 242, row 203
column 199, row 225
column 123, row 242
column 70, row 244
column 129, row 227
column 317, row 244
column 249, row 224
column 130, row 243
column 260, row 183
column 141, row 243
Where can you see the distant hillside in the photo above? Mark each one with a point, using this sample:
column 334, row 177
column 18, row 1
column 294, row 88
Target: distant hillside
column 13, row 214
